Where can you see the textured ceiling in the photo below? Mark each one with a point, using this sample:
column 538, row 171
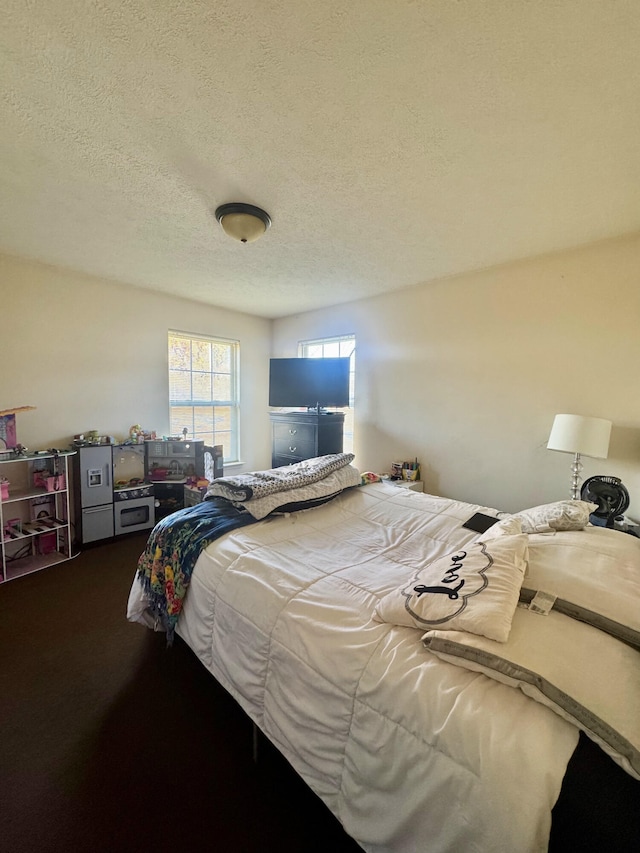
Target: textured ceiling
column 392, row 142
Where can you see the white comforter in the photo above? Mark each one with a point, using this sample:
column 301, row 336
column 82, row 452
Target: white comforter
column 589, row 675
column 410, row 752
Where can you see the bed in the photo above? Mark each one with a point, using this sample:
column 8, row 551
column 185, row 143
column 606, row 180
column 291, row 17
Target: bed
column 424, row 721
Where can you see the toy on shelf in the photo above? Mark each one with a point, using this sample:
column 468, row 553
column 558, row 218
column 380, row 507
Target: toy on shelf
column 8, row 434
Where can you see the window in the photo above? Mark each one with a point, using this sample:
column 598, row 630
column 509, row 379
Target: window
column 203, row 390
column 341, row 347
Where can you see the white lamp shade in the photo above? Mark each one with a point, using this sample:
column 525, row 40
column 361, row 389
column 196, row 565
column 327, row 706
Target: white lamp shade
column 578, row 434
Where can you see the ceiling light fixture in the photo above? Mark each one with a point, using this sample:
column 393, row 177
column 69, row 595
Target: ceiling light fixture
column 243, row 222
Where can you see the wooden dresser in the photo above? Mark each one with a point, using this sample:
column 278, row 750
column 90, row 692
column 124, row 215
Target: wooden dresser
column 302, row 435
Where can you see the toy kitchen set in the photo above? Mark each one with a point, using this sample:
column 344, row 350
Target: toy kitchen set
column 170, row 465
column 126, row 488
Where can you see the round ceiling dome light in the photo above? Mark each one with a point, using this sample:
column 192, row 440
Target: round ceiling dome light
column 243, row 222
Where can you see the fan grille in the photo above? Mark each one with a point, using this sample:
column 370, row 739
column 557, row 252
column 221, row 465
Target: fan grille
column 609, row 494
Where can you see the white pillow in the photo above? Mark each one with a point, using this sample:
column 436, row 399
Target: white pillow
column 561, row 515
column 474, row 589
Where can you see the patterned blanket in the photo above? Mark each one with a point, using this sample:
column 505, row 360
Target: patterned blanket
column 259, row 484
column 165, row 566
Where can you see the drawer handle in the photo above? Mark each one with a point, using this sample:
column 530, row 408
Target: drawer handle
column 292, row 449
column 293, row 431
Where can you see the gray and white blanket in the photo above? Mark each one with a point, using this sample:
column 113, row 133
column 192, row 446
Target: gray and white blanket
column 259, row 484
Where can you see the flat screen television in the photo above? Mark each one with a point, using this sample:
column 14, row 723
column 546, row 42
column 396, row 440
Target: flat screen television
column 314, row 383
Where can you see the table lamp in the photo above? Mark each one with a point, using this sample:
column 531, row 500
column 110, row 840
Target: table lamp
column 582, row 436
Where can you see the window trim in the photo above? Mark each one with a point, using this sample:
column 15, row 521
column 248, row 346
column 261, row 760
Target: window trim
column 233, row 403
column 338, row 339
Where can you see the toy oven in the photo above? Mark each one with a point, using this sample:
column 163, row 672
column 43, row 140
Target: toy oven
column 134, row 514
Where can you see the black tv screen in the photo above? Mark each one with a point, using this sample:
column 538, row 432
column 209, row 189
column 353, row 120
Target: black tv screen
column 309, row 382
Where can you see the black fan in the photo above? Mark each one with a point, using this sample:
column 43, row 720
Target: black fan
column 610, row 495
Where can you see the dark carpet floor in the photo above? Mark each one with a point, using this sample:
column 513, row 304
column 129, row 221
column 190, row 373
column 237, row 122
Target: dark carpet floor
column 109, row 741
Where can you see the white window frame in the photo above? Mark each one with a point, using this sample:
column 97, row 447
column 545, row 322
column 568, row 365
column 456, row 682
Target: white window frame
column 341, row 346
column 232, row 445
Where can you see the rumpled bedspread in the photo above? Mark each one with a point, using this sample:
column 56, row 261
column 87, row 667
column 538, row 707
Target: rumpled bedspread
column 259, row 484
column 174, row 545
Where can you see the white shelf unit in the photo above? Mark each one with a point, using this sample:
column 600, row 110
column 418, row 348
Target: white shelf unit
column 33, row 541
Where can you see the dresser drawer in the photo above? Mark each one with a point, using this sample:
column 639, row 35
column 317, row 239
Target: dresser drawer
column 295, row 431
column 294, row 446
column 280, row 461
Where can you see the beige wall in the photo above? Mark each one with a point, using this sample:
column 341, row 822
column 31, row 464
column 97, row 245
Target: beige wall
column 92, row 354
column 468, row 373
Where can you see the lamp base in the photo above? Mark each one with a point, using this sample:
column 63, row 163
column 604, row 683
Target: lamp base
column 576, row 476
